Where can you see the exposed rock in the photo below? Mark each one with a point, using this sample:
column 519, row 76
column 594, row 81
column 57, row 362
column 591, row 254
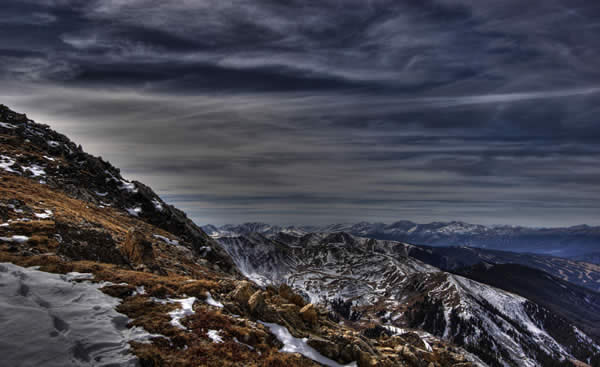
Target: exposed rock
column 86, row 242
column 327, row 348
column 288, row 293
column 256, row 303
column 242, row 293
column 137, row 249
column 309, row 314
column 413, row 339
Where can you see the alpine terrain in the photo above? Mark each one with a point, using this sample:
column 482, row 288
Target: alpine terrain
column 97, row 270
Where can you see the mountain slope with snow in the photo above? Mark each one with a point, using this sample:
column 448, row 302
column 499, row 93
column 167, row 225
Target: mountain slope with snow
column 383, row 283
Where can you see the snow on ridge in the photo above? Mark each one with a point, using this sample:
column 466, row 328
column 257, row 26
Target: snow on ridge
column 292, row 344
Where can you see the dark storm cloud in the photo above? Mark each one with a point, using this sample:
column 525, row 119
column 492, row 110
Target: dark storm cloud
column 303, row 111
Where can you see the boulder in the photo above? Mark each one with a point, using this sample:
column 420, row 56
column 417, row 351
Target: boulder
column 256, row 303
column 137, row 249
column 286, row 292
column 242, row 293
column 325, row 347
column 309, row 314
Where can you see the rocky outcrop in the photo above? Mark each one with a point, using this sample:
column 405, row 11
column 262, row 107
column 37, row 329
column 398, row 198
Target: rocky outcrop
column 87, row 242
column 137, row 249
column 309, row 314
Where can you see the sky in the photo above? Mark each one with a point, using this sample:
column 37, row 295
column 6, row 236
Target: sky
column 317, row 112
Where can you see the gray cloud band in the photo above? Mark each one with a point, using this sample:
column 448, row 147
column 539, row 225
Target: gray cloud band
column 378, row 108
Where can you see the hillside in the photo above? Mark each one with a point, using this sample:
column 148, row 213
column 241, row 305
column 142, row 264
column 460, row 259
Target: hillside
column 578, row 304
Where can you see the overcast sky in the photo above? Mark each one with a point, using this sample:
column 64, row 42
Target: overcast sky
column 315, row 112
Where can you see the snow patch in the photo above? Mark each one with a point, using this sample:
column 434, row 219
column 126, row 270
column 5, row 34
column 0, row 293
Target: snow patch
column 157, row 205
column 45, row 215
column 55, row 322
column 292, row 344
column 134, row 211
column 167, row 240
column 6, row 125
column 211, row 301
column 6, row 162
column 128, row 186
column 177, row 315
column 139, row 290
column 16, row 238
column 36, row 170
column 244, row 344
column 214, row 336
column 74, row 275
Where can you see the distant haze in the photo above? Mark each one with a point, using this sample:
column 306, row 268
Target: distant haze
column 303, row 112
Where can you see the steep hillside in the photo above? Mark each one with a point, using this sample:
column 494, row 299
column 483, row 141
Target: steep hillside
column 451, row 258
column 577, row 304
column 96, row 270
column 365, row 280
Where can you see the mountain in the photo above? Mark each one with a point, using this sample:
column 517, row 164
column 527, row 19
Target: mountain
column 564, row 242
column 449, row 258
column 591, row 257
column 452, row 258
column 366, row 280
column 579, row 305
column 97, row 270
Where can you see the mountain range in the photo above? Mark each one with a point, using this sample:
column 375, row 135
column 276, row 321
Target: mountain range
column 578, row 240
column 382, row 282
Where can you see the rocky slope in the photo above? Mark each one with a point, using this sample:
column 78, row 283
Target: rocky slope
column 73, row 215
column 570, row 241
column 366, row 280
column 585, row 274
